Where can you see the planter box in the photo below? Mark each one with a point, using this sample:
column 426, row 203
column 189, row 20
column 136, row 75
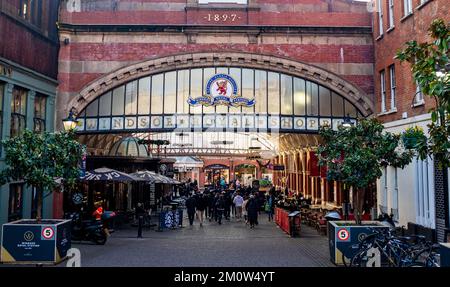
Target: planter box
column 445, row 254
column 284, row 218
column 344, row 237
column 27, row 242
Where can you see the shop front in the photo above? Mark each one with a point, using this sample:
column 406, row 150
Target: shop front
column 215, row 173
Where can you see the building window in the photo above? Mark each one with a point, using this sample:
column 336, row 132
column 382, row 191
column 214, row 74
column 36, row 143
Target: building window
column 418, row 98
column 39, row 113
column 383, row 91
column 384, row 194
column 394, row 205
column 380, row 17
column 18, row 111
column 391, row 13
column 424, row 192
column 407, row 7
column 15, row 211
column 31, row 11
column 2, row 91
column 393, row 86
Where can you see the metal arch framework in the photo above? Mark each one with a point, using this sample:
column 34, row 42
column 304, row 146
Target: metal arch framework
column 350, row 92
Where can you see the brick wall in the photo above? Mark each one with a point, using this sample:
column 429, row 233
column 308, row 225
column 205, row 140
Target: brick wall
column 34, row 47
column 260, row 12
column 413, row 27
column 325, row 41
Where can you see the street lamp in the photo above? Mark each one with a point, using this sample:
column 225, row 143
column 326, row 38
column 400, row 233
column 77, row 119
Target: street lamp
column 71, row 122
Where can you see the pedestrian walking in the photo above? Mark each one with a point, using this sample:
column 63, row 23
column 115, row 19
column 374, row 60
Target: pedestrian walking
column 252, row 209
column 220, row 207
column 244, row 208
column 200, row 206
column 210, row 201
column 216, row 198
column 269, row 206
column 190, row 207
column 238, row 201
column 228, row 202
column 140, row 212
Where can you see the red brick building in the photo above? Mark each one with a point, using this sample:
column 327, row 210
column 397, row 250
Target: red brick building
column 305, row 62
column 28, row 79
column 412, row 194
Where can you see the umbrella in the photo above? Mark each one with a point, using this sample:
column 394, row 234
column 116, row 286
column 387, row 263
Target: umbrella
column 107, row 174
column 154, row 177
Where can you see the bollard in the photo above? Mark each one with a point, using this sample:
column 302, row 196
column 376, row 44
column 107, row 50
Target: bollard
column 140, row 223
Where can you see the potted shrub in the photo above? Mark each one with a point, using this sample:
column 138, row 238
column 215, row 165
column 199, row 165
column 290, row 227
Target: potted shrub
column 356, row 155
column 45, row 161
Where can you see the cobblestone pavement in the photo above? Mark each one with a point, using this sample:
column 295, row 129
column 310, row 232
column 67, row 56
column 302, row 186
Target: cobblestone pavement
column 231, row 244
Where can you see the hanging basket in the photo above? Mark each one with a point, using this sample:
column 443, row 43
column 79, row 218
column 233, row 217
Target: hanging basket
column 412, row 142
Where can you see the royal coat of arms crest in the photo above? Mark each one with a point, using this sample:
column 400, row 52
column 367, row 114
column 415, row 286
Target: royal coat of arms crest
column 221, row 89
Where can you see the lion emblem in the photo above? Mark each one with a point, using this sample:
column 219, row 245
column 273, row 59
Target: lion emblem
column 222, row 87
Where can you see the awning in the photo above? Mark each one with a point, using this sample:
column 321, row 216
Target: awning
column 107, row 174
column 187, row 162
column 152, row 177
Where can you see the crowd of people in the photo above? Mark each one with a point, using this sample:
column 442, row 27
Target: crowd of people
column 224, row 201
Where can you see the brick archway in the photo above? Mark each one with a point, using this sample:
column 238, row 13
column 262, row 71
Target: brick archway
column 349, row 91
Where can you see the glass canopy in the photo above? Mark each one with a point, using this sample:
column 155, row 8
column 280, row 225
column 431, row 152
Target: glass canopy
column 160, row 103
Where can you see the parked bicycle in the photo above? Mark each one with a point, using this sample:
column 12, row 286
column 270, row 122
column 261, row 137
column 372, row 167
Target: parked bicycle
column 389, row 250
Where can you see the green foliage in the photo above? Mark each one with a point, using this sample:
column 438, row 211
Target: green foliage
column 40, row 159
column 356, row 155
column 429, row 65
column 414, row 138
column 265, row 182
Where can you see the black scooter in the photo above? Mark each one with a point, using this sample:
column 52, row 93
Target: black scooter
column 87, row 230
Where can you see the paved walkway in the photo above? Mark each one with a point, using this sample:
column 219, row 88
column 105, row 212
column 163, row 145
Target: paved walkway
column 231, row 244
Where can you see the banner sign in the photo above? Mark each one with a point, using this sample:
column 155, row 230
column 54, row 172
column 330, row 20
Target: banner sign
column 222, row 89
column 219, row 122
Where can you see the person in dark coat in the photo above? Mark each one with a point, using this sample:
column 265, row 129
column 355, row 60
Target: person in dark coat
column 200, row 206
column 210, row 205
column 252, row 211
column 220, row 207
column 228, row 202
column 190, row 207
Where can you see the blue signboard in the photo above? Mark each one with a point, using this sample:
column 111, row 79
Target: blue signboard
column 24, row 241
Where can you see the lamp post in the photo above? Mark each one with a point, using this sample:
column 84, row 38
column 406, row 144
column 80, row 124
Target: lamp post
column 71, row 122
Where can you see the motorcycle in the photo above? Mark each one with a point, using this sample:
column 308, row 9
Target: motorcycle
column 88, row 230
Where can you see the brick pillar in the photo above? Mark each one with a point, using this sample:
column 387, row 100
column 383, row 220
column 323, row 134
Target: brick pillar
column 441, row 200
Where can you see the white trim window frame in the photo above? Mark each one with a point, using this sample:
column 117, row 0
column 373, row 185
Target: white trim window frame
column 394, row 205
column 418, row 97
column 407, row 7
column 380, row 18
column 393, row 86
column 424, row 193
column 391, row 13
column 383, row 91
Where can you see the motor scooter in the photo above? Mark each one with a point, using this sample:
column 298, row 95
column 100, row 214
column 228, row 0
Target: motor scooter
column 87, row 230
